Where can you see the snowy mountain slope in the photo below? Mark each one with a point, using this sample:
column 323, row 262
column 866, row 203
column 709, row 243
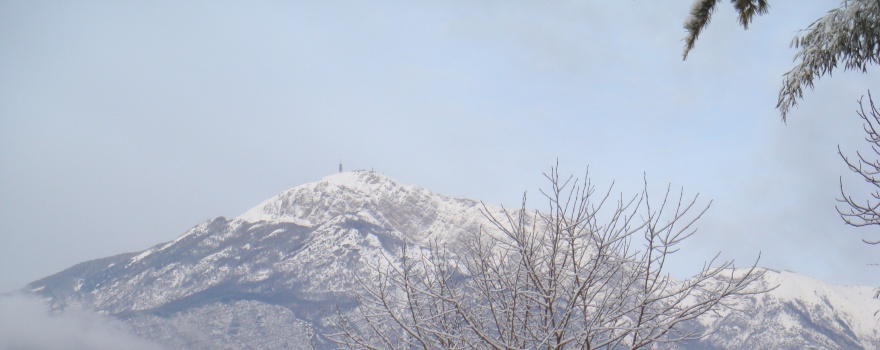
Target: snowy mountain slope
column 800, row 313
column 297, row 251
column 271, row 278
column 417, row 214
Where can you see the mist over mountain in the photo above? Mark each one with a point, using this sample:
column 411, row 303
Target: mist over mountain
column 275, row 276
column 27, row 323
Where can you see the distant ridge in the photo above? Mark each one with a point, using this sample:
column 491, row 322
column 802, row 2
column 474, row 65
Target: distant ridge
column 272, row 277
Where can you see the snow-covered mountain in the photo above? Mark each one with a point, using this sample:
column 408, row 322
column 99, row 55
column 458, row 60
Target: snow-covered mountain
column 800, row 313
column 272, row 277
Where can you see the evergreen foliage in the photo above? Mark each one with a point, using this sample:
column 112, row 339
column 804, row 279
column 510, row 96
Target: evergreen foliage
column 846, row 35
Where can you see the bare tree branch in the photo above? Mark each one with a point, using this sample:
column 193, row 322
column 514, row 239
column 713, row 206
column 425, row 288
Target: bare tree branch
column 867, row 213
column 586, row 273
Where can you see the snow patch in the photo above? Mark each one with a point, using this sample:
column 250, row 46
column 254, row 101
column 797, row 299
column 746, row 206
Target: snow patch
column 140, row 257
column 277, row 231
column 199, row 228
column 260, row 275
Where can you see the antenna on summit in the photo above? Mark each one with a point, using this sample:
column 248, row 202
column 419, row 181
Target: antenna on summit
column 340, row 165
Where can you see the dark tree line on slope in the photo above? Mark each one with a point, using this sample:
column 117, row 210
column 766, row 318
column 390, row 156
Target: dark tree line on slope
column 848, row 35
column 589, row 273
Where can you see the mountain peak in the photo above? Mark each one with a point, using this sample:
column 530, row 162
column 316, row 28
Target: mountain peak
column 315, row 202
column 358, row 180
column 412, row 212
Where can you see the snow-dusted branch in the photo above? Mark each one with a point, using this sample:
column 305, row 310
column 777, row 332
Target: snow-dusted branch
column 590, row 272
column 857, row 213
column 848, row 35
column 701, row 15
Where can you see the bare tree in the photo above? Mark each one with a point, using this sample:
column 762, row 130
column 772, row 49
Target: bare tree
column 587, row 273
column 856, row 213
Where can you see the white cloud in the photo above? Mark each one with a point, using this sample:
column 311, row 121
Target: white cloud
column 27, row 323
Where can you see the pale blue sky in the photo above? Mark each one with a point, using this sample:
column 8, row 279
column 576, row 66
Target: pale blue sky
column 124, row 123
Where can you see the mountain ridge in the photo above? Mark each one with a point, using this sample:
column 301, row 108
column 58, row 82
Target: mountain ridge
column 278, row 273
